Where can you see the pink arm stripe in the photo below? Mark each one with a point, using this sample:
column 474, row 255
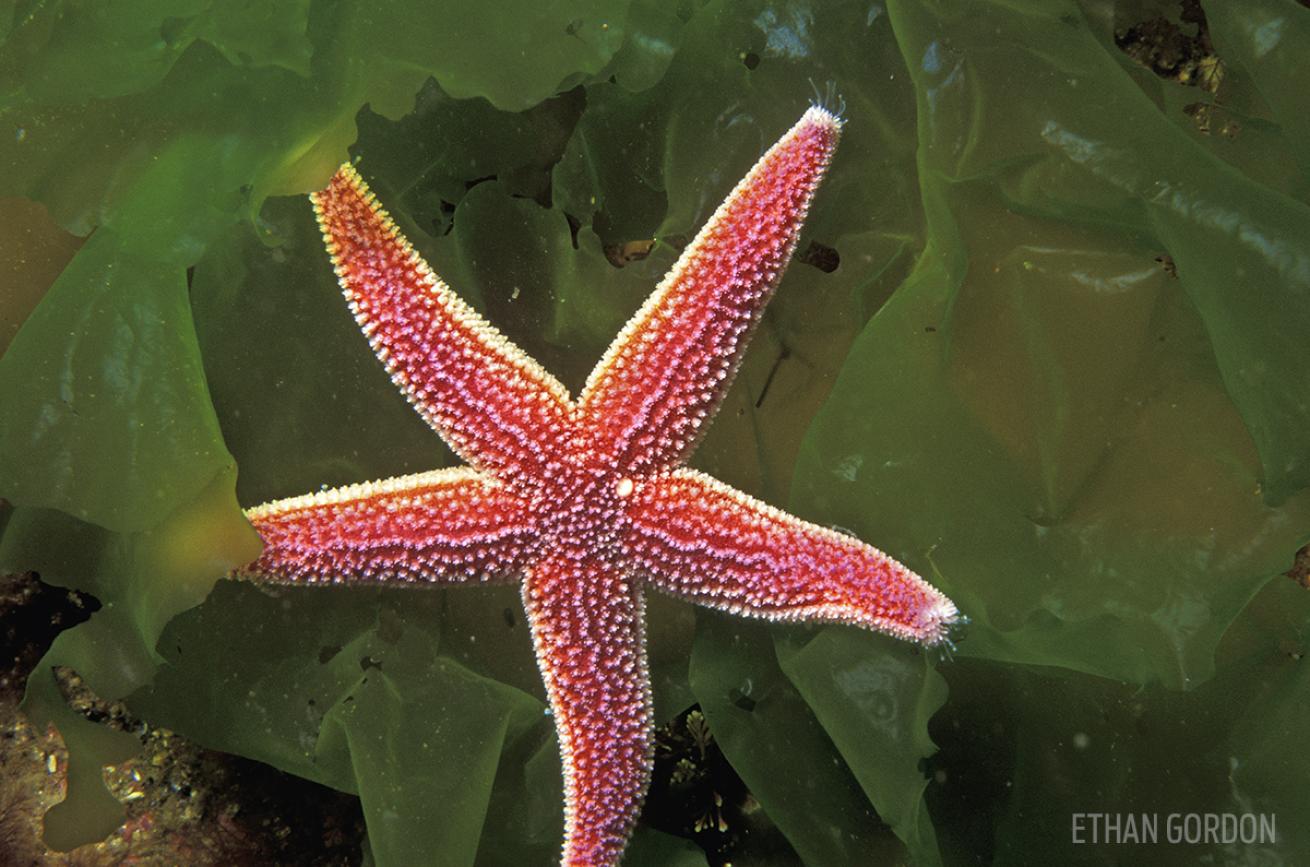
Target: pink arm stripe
column 496, row 407
column 666, row 373
column 445, row 526
column 588, row 624
column 699, row 539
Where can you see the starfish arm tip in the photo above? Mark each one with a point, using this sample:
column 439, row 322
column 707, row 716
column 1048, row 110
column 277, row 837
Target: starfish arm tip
column 939, row 621
column 821, row 116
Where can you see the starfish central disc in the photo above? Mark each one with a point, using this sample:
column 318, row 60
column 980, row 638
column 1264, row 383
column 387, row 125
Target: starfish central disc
column 586, row 501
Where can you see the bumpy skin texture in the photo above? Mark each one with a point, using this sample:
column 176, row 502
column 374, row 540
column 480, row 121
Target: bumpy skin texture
column 586, row 501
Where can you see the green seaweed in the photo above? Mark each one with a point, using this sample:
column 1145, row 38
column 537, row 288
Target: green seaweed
column 1058, row 370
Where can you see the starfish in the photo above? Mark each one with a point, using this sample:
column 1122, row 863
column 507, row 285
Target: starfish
column 587, row 500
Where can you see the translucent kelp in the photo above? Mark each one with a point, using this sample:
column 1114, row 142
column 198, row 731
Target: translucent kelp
column 1044, row 341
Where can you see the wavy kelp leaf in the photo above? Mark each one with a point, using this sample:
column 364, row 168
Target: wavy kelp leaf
column 59, row 53
column 168, row 173
column 657, row 849
column 874, row 699
column 88, row 811
column 266, row 695
column 358, row 696
column 1123, row 552
column 47, row 249
column 513, row 54
column 107, row 415
column 1210, row 97
column 113, row 338
column 144, row 579
column 1240, row 249
column 61, row 550
column 325, row 411
column 67, row 552
column 268, row 127
column 1057, row 745
column 1103, row 526
column 525, row 819
column 609, row 178
column 564, row 296
column 424, row 163
column 1267, row 38
column 405, row 761
column 652, row 36
column 772, row 739
column 1267, row 765
column 65, row 55
column 245, row 131
column 251, row 33
column 741, row 76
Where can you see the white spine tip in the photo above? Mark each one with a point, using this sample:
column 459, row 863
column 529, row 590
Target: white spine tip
column 817, row 115
column 938, row 620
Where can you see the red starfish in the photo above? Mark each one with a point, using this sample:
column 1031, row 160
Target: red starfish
column 586, row 501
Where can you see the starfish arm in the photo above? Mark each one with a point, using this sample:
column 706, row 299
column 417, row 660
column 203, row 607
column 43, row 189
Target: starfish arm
column 699, row 539
column 494, row 405
column 588, row 626
column 666, row 373
column 451, row 526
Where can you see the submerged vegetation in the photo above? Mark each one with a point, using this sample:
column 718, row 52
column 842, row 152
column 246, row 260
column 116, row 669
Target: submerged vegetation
column 1045, row 345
